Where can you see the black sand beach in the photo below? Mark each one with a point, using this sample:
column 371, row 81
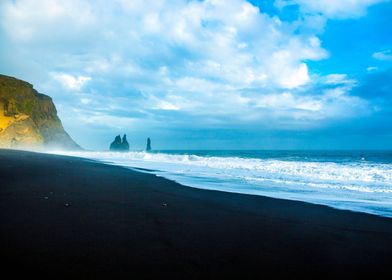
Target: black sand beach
column 63, row 216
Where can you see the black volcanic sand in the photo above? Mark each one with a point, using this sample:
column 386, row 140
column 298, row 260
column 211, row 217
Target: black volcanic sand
column 63, row 216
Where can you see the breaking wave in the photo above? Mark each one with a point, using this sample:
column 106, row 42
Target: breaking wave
column 356, row 185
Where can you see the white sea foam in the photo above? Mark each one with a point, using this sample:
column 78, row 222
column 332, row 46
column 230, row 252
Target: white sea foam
column 358, row 186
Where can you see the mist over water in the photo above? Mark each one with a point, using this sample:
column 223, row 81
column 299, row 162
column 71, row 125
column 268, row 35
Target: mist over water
column 354, row 180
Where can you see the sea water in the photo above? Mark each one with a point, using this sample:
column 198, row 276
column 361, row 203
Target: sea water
column 353, row 180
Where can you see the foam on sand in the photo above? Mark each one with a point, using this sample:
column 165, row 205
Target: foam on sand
column 358, row 185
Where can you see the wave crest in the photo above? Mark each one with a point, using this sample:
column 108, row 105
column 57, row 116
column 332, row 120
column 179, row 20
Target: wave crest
column 343, row 185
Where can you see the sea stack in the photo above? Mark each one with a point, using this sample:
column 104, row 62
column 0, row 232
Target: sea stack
column 116, row 144
column 28, row 119
column 119, row 145
column 125, row 144
column 148, row 147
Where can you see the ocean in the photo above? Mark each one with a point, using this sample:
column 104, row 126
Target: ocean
column 352, row 180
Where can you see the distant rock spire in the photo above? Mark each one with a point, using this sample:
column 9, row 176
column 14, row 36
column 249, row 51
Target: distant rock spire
column 125, row 144
column 148, row 147
column 120, row 145
column 116, row 144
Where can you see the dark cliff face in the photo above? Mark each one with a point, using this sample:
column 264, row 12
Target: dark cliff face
column 29, row 119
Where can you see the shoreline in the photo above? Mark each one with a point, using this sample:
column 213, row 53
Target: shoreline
column 155, row 171
column 349, row 184
column 77, row 216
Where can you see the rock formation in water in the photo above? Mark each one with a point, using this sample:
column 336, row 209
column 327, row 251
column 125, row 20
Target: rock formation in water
column 119, row 145
column 148, row 147
column 28, row 119
column 125, row 144
column 116, row 144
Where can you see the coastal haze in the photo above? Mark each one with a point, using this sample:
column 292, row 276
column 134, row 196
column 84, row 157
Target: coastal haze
column 196, row 139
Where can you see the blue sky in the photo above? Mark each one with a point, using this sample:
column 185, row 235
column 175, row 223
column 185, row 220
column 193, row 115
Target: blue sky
column 233, row 74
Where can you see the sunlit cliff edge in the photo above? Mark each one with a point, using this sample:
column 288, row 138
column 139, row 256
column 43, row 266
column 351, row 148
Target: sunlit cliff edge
column 28, row 119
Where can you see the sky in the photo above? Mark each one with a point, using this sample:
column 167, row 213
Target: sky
column 212, row 74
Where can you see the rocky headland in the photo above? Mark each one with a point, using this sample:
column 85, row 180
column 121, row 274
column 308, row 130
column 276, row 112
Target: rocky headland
column 28, row 119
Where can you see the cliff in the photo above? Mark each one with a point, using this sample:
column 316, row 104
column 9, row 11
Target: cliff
column 28, row 119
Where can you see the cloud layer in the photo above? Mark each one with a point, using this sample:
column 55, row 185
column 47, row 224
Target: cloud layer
column 337, row 9
column 131, row 65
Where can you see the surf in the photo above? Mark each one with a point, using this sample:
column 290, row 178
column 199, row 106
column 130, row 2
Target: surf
column 352, row 183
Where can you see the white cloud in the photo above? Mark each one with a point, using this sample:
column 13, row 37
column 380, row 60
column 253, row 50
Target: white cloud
column 339, row 79
column 118, row 123
column 383, row 55
column 86, row 101
column 287, row 100
column 164, row 105
column 71, row 82
column 46, row 20
column 233, row 35
column 332, row 8
column 212, row 59
column 371, row 68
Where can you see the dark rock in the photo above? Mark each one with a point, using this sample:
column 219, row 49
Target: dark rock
column 116, row 144
column 119, row 145
column 148, row 147
column 28, row 119
column 125, row 144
